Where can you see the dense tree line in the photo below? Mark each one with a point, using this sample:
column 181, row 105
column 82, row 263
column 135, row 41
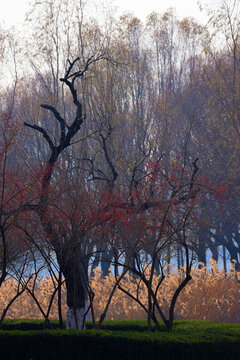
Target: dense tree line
column 124, row 122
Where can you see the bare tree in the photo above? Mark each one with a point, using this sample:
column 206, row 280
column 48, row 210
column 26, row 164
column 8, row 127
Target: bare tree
column 70, row 262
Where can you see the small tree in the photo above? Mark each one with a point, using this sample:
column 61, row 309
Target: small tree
column 149, row 224
column 14, row 192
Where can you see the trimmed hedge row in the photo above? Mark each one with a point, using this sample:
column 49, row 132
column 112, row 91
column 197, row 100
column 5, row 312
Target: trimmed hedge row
column 112, row 343
column 56, row 344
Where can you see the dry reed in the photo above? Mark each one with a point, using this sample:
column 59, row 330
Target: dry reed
column 210, row 295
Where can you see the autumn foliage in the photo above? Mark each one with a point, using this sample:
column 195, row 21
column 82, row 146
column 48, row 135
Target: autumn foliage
column 126, row 165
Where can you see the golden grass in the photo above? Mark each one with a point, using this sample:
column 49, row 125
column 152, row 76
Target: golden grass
column 210, row 295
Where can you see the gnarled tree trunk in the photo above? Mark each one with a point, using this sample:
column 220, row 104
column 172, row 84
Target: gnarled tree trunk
column 72, row 268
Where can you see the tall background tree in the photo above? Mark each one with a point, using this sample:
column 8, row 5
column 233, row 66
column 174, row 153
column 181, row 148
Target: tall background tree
column 142, row 92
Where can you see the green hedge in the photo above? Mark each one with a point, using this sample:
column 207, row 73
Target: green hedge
column 28, row 324
column 188, row 340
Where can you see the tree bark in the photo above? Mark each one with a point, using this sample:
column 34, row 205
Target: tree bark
column 77, row 297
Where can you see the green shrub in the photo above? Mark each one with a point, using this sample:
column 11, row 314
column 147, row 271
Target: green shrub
column 121, row 340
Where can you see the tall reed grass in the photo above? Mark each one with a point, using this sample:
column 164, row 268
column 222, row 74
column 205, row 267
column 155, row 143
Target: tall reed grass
column 210, row 295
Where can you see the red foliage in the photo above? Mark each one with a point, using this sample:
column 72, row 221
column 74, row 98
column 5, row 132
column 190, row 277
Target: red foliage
column 14, row 186
column 168, row 198
column 154, row 207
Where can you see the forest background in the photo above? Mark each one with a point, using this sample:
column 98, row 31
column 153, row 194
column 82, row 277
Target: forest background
column 164, row 91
